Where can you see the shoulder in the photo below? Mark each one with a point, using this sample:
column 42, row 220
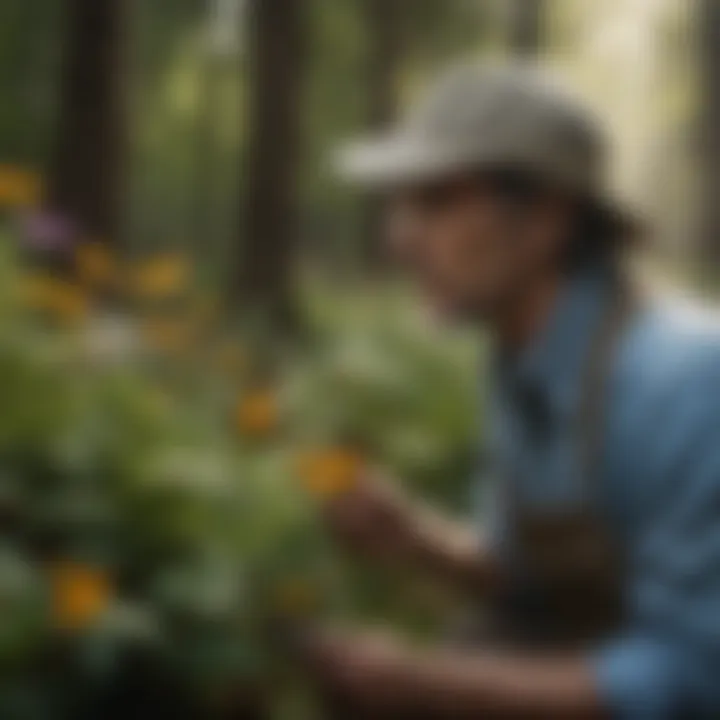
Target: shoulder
column 667, row 384
column 671, row 349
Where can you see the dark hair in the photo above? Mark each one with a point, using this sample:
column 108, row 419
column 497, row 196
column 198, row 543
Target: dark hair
column 595, row 236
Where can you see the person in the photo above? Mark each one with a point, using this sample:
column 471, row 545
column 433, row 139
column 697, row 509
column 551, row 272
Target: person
column 599, row 561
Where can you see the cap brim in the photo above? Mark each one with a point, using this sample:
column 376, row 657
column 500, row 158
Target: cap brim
column 384, row 162
column 393, row 161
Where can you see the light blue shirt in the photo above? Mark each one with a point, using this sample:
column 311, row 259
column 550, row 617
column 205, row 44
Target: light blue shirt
column 659, row 486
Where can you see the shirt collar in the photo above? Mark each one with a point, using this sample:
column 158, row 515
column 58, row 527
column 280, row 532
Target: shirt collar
column 553, row 364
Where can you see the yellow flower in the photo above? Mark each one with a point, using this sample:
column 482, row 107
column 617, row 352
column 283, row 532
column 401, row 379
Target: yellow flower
column 257, row 414
column 326, row 473
column 296, row 597
column 95, row 263
column 19, row 187
column 80, row 594
column 161, row 276
column 60, row 298
column 71, row 305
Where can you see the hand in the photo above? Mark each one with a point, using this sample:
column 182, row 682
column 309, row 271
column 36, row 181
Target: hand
column 366, row 670
column 375, row 673
column 376, row 519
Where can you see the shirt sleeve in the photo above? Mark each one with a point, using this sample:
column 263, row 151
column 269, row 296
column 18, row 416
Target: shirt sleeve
column 667, row 662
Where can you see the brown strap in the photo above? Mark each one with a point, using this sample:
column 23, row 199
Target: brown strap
column 591, row 414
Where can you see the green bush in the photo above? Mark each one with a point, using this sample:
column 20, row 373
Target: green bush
column 144, row 516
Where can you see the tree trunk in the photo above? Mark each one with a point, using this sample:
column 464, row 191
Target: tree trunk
column 526, row 27
column 265, row 278
column 204, row 184
column 384, row 23
column 708, row 242
column 85, row 179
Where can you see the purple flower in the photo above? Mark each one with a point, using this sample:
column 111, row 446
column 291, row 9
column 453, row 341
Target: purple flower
column 46, row 231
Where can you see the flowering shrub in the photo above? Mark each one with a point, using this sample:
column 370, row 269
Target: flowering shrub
column 157, row 493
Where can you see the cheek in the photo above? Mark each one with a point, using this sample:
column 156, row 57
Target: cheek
column 493, row 262
column 455, row 261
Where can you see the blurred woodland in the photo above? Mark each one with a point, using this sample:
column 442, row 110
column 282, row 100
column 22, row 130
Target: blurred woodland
column 200, row 337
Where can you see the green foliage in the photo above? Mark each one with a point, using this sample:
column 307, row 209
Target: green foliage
column 383, row 375
column 182, row 535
